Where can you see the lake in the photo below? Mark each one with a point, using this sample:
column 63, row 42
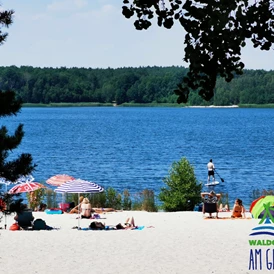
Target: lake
column 133, row 148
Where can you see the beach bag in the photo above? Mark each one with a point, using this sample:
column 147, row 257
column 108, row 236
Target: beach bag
column 14, row 227
column 39, row 224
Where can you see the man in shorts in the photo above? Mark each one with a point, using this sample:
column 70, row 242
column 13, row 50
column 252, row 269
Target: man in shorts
column 210, row 168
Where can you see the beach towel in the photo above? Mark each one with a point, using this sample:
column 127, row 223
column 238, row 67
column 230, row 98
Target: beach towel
column 54, row 211
column 110, row 228
column 226, row 218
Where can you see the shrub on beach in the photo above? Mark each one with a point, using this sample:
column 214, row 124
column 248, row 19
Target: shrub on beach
column 126, row 200
column 110, row 198
column 51, row 198
column 98, row 199
column 35, row 198
column 114, row 199
column 257, row 193
column 145, row 200
column 183, row 190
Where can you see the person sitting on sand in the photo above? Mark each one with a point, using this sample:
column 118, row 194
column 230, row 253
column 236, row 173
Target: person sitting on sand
column 76, row 208
column 211, row 198
column 24, row 217
column 42, row 207
column 86, row 209
column 238, row 209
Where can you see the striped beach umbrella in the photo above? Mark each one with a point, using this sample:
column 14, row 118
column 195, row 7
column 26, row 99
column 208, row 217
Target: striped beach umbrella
column 79, row 186
column 258, row 208
column 25, row 187
column 59, row 179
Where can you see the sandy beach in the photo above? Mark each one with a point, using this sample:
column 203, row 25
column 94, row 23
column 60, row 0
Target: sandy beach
column 180, row 242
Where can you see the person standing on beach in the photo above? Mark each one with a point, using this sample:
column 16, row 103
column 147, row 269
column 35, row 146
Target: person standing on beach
column 210, row 169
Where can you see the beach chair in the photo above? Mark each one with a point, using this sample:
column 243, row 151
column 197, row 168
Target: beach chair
column 211, row 208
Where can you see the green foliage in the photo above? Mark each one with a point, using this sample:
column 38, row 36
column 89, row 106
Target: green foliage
column 183, row 190
column 71, row 197
column 257, row 193
column 154, row 87
column 6, row 19
column 11, row 105
column 98, row 200
column 50, row 198
column 113, row 198
column 215, row 33
column 110, row 198
column 149, row 201
column 35, row 198
column 126, row 200
column 145, row 200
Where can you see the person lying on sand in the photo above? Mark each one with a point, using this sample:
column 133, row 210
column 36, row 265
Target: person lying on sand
column 129, row 224
column 103, row 210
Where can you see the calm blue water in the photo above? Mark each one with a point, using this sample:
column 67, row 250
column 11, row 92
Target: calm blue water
column 133, row 148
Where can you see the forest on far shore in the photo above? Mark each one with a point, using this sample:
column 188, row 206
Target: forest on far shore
column 141, row 85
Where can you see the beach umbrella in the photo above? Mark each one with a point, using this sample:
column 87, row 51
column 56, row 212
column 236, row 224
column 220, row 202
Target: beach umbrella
column 59, row 179
column 27, row 178
column 22, row 179
column 79, row 186
column 254, row 203
column 258, row 209
column 5, row 182
column 25, row 187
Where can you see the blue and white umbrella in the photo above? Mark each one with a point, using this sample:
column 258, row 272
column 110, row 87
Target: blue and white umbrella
column 79, row 186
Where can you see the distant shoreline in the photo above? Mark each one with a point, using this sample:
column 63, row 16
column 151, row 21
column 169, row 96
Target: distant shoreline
column 212, row 106
column 91, row 104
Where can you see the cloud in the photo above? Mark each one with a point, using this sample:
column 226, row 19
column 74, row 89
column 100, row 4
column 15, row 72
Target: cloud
column 67, row 5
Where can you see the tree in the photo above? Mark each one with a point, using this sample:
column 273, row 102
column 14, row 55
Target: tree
column 11, row 168
column 183, row 190
column 216, row 30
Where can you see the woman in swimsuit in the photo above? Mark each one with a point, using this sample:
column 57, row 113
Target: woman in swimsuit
column 86, row 209
column 238, row 209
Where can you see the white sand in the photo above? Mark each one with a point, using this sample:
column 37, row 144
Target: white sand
column 180, row 242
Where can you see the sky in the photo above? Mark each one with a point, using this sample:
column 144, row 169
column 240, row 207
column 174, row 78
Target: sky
column 95, row 34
